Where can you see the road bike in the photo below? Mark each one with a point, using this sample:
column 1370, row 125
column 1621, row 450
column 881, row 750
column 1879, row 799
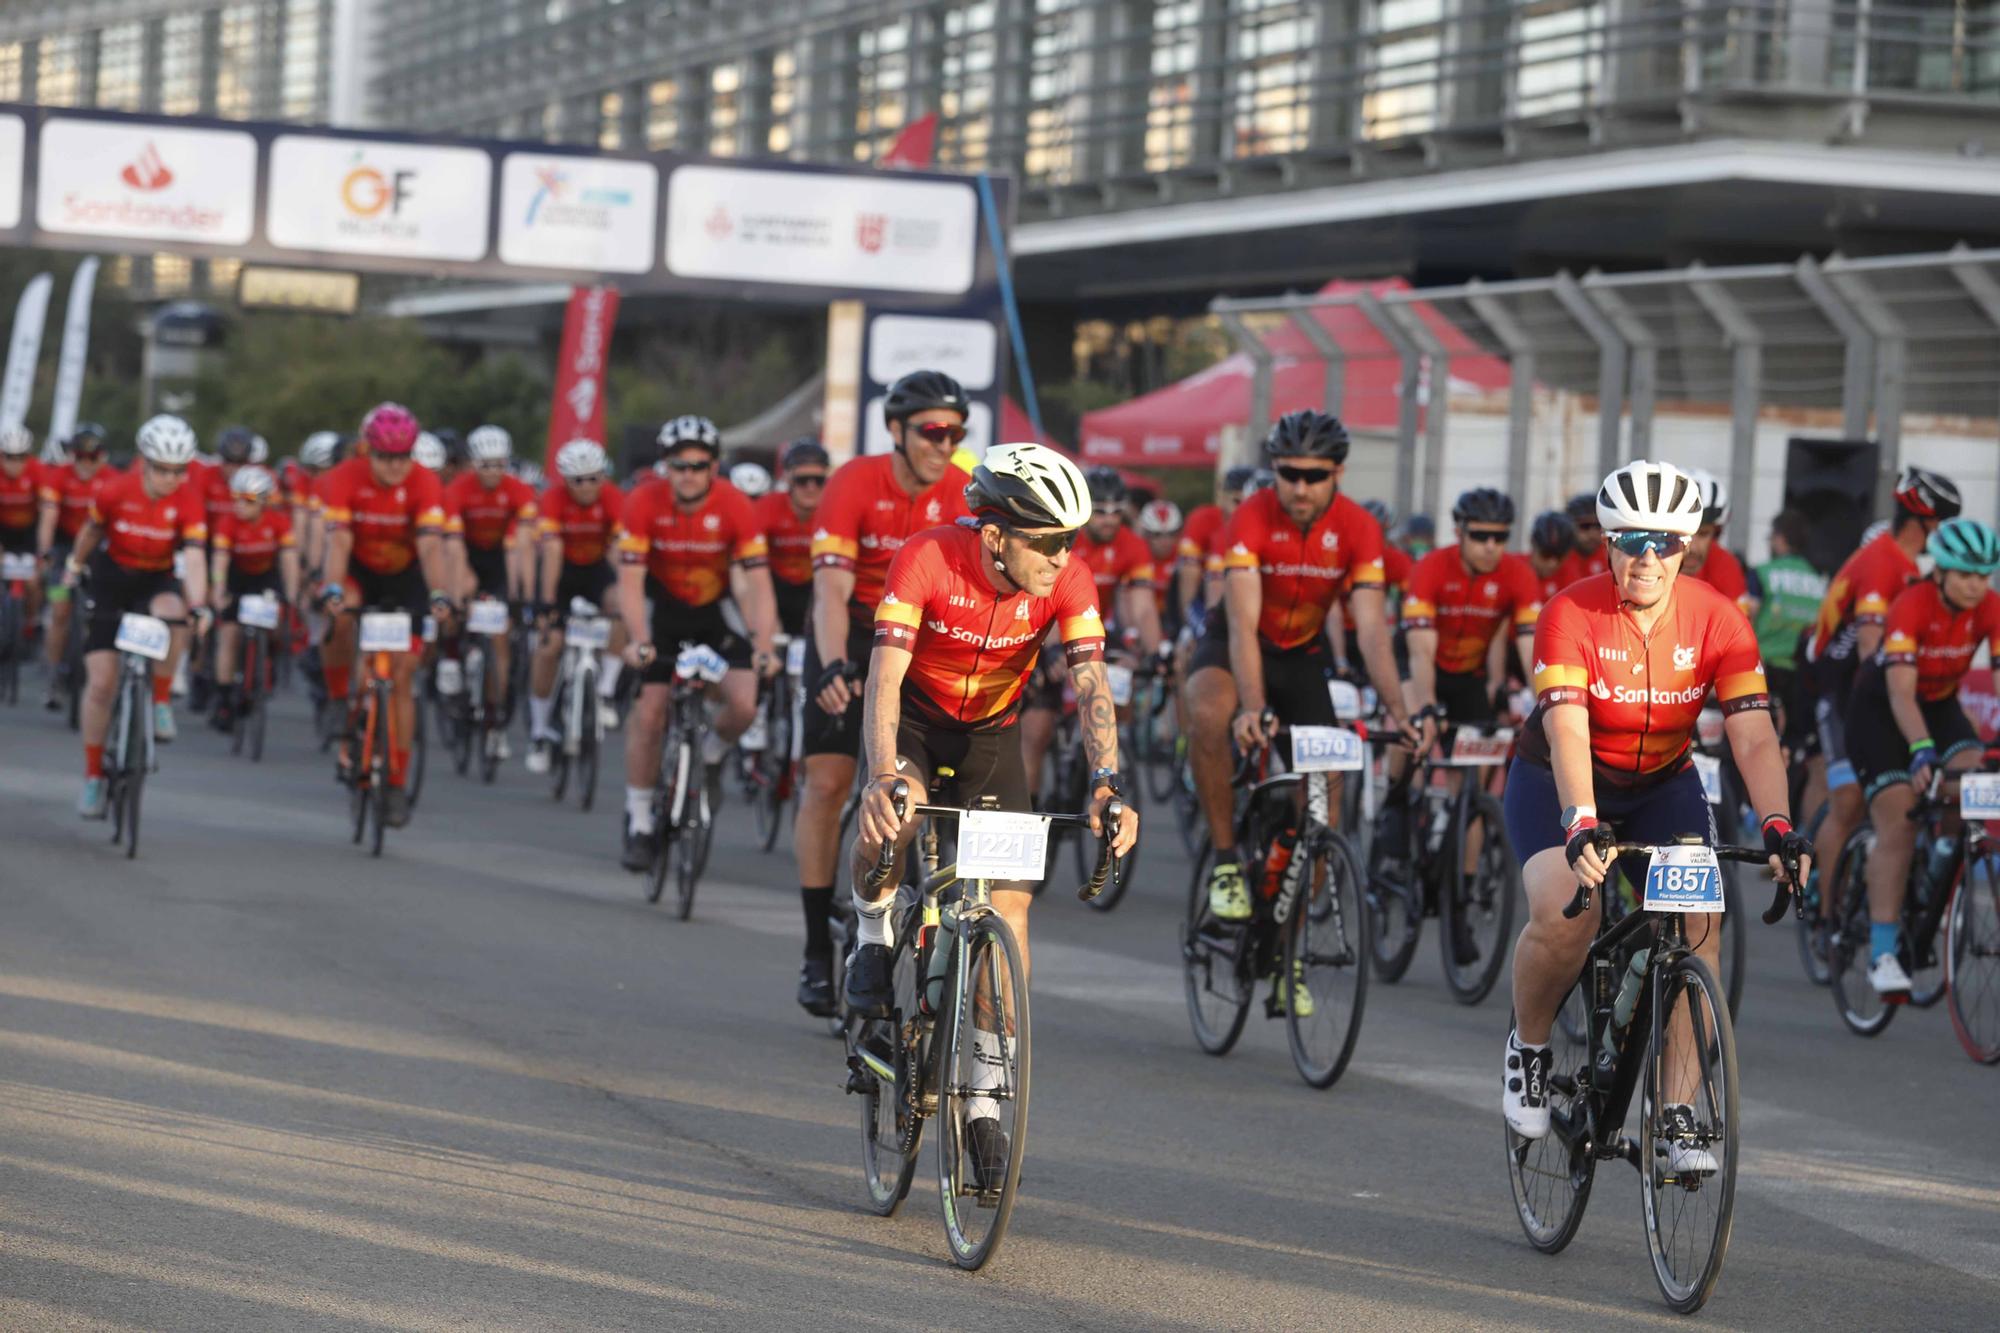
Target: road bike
column 1156, row 743
column 1646, row 1016
column 371, row 723
column 957, row 1036
column 481, row 725
column 586, row 633
column 130, row 751
column 257, row 618
column 18, row 571
column 769, row 771
column 1308, row 932
column 1729, row 805
column 1972, row 928
column 683, row 802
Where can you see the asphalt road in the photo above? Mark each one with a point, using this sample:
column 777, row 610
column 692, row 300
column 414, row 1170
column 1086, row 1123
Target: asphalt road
column 257, row 1080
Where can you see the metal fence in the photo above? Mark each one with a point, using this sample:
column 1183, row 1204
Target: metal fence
column 1878, row 339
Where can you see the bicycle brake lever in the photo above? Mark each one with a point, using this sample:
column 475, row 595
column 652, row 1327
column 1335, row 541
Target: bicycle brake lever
column 899, row 796
column 1107, row 861
column 1579, row 903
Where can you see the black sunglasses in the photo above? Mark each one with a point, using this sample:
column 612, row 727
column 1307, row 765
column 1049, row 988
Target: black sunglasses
column 700, row 465
column 1498, row 535
column 806, row 479
column 1304, row 476
column 1635, row 542
column 1046, row 543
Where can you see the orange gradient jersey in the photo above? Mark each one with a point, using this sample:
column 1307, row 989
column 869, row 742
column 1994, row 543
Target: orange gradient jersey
column 1924, row 631
column 1303, row 571
column 253, row 547
column 1202, row 527
column 689, row 552
column 585, row 530
column 485, row 518
column 1643, row 692
column 141, row 532
column 70, row 493
column 1123, row 561
column 1467, row 609
column 973, row 647
column 1860, row 594
column 866, row 517
column 385, row 520
column 21, row 497
column 790, row 537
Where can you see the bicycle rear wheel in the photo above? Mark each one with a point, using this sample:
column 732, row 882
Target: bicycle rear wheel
column 1691, row 1062
column 983, row 1076
column 586, row 761
column 1326, row 957
column 257, row 694
column 1813, row 963
column 1972, row 958
column 139, row 724
column 1551, row 1176
column 1477, row 908
column 891, row 1129
column 689, row 856
column 1864, row 1011
column 1213, row 966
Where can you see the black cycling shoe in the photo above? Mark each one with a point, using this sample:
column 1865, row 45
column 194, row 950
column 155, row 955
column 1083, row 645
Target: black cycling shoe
column 870, row 988
column 640, row 849
column 395, row 807
column 986, row 1147
column 816, row 987
column 1464, row 949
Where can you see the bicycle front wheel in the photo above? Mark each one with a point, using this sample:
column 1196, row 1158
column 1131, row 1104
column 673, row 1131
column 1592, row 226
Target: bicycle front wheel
column 586, row 761
column 138, row 736
column 983, row 1092
column 891, row 1129
column 1213, row 967
column 1551, row 1176
column 1323, row 986
column 1972, row 958
column 1810, row 958
column 1864, row 1011
column 257, row 697
column 1478, row 906
column 1688, row 1128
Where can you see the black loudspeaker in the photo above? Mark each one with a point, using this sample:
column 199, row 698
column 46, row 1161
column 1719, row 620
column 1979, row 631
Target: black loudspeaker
column 1832, row 482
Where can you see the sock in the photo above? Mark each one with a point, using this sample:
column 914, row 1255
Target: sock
column 163, row 689
column 93, row 761
column 336, row 682
column 873, row 926
column 818, row 904
column 1882, row 938
column 609, row 664
column 989, row 1065
column 538, row 714
column 399, row 764
column 639, row 809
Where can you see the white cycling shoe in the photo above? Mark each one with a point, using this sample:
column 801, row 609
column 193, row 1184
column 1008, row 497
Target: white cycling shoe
column 1686, row 1155
column 1524, row 1084
column 1887, row 977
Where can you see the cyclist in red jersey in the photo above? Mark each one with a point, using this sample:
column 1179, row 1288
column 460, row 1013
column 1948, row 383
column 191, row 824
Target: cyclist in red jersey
column 685, row 543
column 20, row 498
column 490, row 537
column 1623, row 663
column 137, row 524
column 1160, row 525
column 384, row 549
column 578, row 518
column 320, row 452
column 65, row 493
column 1847, row 633
column 1707, row 558
column 963, row 618
column 873, row 505
column 1904, row 721
column 1396, row 566
column 1590, row 555
column 1290, row 551
column 1200, row 533
column 789, row 515
column 254, row 551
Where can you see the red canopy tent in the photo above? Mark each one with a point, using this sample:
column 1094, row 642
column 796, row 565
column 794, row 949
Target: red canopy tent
column 1181, row 425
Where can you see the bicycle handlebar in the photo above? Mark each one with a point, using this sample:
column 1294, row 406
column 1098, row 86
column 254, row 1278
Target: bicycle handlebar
column 1114, row 812
column 1610, row 848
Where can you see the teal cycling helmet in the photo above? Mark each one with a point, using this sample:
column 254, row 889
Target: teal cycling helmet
column 1965, row 544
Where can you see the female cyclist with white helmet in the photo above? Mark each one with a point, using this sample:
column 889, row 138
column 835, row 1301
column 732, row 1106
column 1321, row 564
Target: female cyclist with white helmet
column 254, row 552
column 577, row 517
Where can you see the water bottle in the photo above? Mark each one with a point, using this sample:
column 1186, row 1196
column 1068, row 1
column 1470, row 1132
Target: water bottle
column 1628, row 993
column 1937, row 866
column 938, row 974
column 1279, row 860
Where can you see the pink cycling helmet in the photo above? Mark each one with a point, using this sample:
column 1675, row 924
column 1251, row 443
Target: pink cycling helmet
column 390, row 429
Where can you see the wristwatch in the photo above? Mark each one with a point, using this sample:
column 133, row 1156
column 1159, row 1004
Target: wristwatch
column 1572, row 813
column 1107, row 777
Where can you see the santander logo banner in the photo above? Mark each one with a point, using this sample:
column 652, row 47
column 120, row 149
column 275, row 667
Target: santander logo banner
column 578, row 410
column 157, row 182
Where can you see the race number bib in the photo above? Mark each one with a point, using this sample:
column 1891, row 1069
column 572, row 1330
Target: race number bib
column 259, row 611
column 1710, row 769
column 1979, row 796
column 699, row 661
column 795, row 658
column 1326, row 750
column 1346, row 700
column 487, row 615
column 1121, row 684
column 148, row 636
column 1684, row 879
column 385, row 632
column 18, row 566
column 590, row 632
column 1002, row 844
column 1480, row 749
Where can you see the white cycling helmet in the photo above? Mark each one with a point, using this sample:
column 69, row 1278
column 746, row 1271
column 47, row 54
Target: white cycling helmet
column 321, row 449
column 428, row 451
column 17, row 442
column 750, row 478
column 1650, row 497
column 168, row 441
column 1029, row 486
column 1161, row 518
column 1714, row 496
column 582, row 458
column 530, row 473
column 260, row 450
column 253, row 482
column 490, row 444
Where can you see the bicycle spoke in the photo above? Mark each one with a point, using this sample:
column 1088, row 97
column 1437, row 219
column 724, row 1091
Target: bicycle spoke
column 983, row 1092
column 1688, row 1155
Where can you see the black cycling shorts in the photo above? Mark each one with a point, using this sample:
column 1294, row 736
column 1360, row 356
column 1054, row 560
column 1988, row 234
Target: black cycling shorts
column 114, row 590
column 1295, row 679
column 1463, row 697
column 985, row 763
column 1656, row 812
column 676, row 623
column 18, row 541
column 489, row 568
column 402, row 591
column 794, row 606
column 819, row 732
column 1876, row 746
column 241, row 583
column 592, row 582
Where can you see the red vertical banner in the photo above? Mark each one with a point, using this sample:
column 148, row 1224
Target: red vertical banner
column 578, row 410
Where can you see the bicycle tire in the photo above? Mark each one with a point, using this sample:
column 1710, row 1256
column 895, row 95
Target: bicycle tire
column 1332, row 945
column 378, row 768
column 1205, row 943
column 891, row 1130
column 1925, row 956
column 1396, row 927
column 1972, row 958
column 139, row 733
column 588, row 755
column 1814, row 965
column 559, row 757
column 840, row 925
column 489, row 750
column 688, row 860
column 764, row 799
column 259, row 695
column 988, row 946
column 1687, row 1273
column 420, row 752
column 1865, row 1013
column 1551, row 1176
column 1479, row 907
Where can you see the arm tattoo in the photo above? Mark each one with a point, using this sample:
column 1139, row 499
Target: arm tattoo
column 1098, row 713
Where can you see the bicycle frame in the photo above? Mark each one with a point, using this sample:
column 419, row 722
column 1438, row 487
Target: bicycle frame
column 135, row 692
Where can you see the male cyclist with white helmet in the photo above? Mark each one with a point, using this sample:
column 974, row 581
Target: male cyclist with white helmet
column 65, row 494
column 579, row 521
column 789, row 515
column 1707, row 558
column 254, row 552
column 429, row 453
column 317, row 457
column 1160, row 524
column 141, row 518
column 490, row 524
column 1623, row 664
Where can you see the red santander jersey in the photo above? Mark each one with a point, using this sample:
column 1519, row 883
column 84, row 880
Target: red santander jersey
column 385, row 520
column 1125, row 559
column 1925, row 631
column 70, row 493
column 1860, row 593
column 789, row 537
column 1643, row 692
column 1723, row 572
column 141, row 532
column 1576, row 566
column 486, row 518
column 1467, row 609
column 1303, row 571
column 586, row 530
column 866, row 517
column 973, row 647
column 689, row 553
column 253, row 547
column 20, row 496
column 1202, row 527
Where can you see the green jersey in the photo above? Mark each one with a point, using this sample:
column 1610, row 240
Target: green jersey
column 1793, row 590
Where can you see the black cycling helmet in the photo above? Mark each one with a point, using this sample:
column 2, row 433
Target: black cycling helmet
column 923, row 391
column 1483, row 504
column 1379, row 510
column 235, row 444
column 1553, row 535
column 455, row 454
column 1307, row 434
column 806, row 451
column 1234, row 480
column 1106, row 486
column 1582, row 506
column 1927, row 494
column 88, row 437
